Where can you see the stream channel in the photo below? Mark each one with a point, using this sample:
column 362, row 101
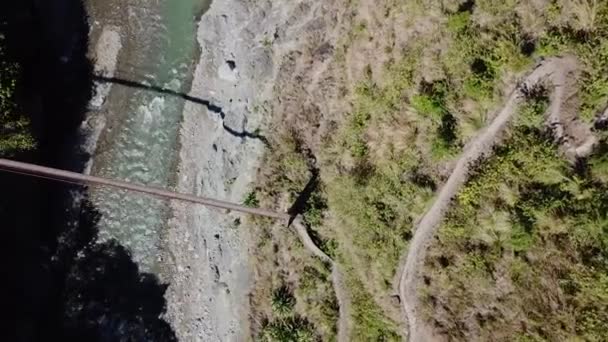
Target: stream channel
column 139, row 142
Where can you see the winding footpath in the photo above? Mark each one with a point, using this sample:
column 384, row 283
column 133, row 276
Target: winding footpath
column 555, row 72
column 336, row 278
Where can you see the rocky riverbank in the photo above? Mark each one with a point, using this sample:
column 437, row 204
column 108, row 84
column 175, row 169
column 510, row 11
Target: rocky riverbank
column 218, row 157
column 244, row 45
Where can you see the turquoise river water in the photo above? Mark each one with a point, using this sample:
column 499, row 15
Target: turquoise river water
column 143, row 146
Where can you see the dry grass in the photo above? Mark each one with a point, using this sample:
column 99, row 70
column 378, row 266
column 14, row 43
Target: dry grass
column 390, row 138
column 280, row 261
column 584, row 14
column 278, row 257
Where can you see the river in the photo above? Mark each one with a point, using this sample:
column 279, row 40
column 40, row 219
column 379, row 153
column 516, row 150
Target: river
column 139, row 142
column 153, row 53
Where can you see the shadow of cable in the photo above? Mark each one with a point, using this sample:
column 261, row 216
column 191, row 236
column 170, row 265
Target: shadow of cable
column 161, row 90
column 166, row 91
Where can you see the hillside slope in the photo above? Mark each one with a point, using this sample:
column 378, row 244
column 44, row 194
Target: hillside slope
column 380, row 105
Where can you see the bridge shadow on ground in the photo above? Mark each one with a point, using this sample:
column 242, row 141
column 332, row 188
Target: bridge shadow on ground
column 301, row 203
column 166, row 91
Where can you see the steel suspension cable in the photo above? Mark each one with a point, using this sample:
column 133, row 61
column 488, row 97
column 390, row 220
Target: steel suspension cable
column 43, row 172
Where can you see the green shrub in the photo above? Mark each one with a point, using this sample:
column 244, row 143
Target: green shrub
column 315, row 207
column 251, row 200
column 283, row 301
column 427, row 105
column 459, row 23
column 590, row 47
column 291, row 329
column 15, row 132
column 531, row 114
column 598, row 163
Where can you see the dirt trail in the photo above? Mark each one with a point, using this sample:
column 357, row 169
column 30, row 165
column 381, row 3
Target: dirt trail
column 336, row 277
column 555, row 71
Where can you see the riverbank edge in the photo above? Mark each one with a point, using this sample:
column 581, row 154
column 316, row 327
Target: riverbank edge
column 207, row 257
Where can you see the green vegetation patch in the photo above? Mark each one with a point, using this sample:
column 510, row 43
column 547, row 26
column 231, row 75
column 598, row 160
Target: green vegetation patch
column 287, row 325
column 523, row 253
column 251, row 200
column 316, row 295
column 378, row 196
column 368, row 320
column 581, row 28
column 290, row 329
column 14, row 127
column 283, row 301
column 478, row 57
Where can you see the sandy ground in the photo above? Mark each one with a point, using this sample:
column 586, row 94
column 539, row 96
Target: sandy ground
column 555, row 72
